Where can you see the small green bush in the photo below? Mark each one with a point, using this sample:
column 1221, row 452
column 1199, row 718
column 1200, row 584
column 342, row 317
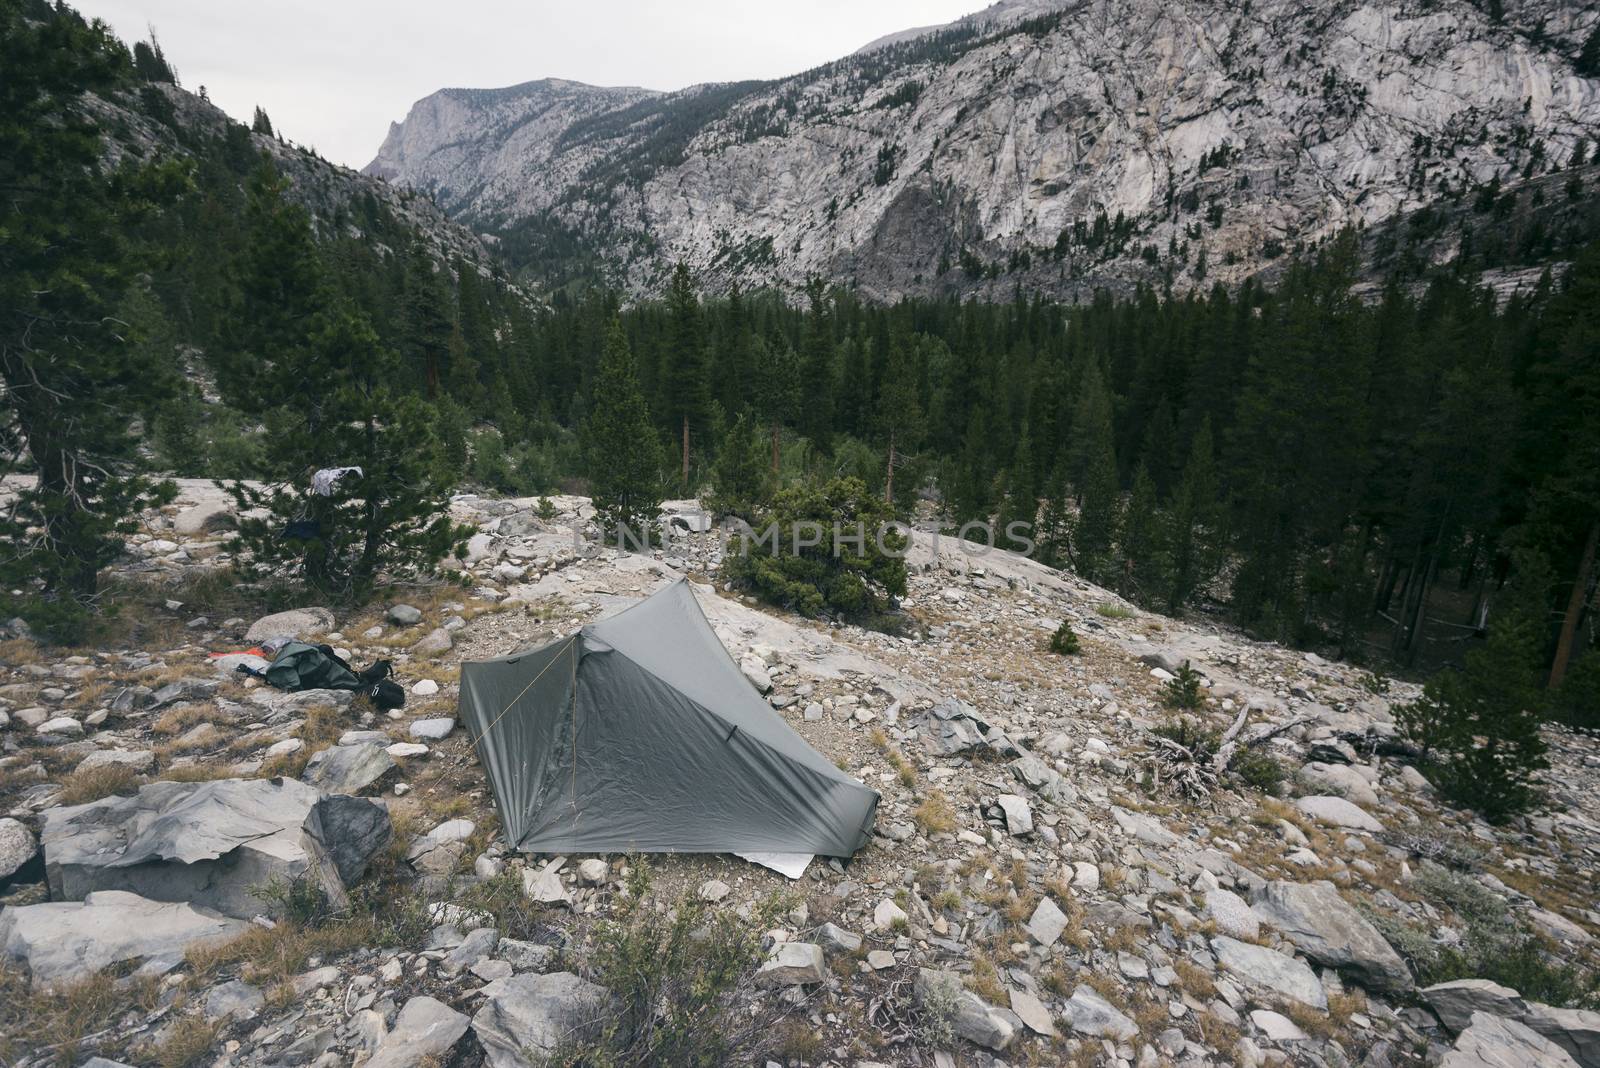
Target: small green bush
column 851, row 572
column 1193, row 737
column 1494, row 946
column 1259, row 771
column 1064, row 642
column 678, row 975
column 502, row 897
column 300, row 900
column 1183, row 690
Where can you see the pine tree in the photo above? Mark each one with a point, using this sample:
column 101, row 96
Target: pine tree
column 1192, row 535
column 150, row 63
column 1020, row 505
column 329, row 394
column 621, row 450
column 281, row 285
column 1480, row 724
column 1588, row 61
column 733, row 362
column 472, row 342
column 854, row 571
column 899, row 412
column 777, row 390
column 972, row 491
column 1092, row 431
column 741, row 481
column 817, row 366
column 1562, row 437
column 685, row 388
column 1092, row 461
column 73, row 384
column 1143, row 569
column 1098, row 516
column 1160, row 443
column 1055, row 532
column 428, row 322
column 260, row 123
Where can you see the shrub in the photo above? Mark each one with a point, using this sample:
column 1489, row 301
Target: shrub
column 1495, row 946
column 677, row 975
column 502, row 897
column 935, row 1025
column 1258, row 771
column 1193, row 737
column 301, row 901
column 1183, row 690
column 1064, row 642
column 824, row 550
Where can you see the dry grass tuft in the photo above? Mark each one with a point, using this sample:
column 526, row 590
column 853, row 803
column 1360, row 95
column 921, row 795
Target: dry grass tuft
column 985, row 981
column 183, row 1044
column 935, row 815
column 1342, row 1006
column 1123, row 939
column 1312, row 1021
column 197, row 773
column 180, row 718
column 91, row 784
column 1194, row 980
column 1151, row 1017
column 1105, row 986
column 319, row 730
column 269, row 957
column 903, row 767
column 19, row 652
column 59, row 1020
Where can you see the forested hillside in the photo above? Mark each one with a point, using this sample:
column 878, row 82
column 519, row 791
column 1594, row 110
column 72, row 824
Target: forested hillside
column 1333, row 471
column 185, row 295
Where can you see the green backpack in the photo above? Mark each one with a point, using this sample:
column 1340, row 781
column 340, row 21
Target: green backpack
column 299, row 666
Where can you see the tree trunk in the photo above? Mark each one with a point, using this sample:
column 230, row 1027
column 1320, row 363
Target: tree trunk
column 774, row 450
column 1398, row 641
column 1384, row 591
column 60, row 486
column 888, row 491
column 1420, row 615
column 686, row 451
column 1580, row 592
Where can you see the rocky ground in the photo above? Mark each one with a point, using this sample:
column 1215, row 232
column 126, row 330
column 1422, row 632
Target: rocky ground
column 198, row 869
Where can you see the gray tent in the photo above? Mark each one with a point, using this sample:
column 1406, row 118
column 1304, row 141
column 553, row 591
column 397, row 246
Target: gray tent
column 640, row 734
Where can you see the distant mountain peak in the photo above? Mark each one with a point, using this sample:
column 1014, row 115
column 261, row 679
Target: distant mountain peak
column 1056, row 148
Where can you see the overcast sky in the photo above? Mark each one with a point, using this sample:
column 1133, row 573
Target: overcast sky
column 334, row 73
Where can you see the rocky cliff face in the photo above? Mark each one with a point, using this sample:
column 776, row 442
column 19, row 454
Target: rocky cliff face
column 1104, row 142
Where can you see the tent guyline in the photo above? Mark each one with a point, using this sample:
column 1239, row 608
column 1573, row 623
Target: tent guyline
column 656, row 739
